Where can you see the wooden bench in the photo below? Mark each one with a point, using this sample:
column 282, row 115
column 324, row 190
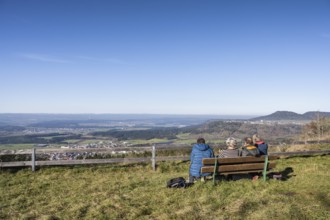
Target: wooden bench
column 240, row 165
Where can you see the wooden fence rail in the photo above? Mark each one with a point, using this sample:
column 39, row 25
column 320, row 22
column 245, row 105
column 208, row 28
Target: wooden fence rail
column 153, row 159
column 71, row 150
column 312, row 152
column 33, row 152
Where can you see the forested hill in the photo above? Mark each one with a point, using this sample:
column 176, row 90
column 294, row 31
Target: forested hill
column 292, row 116
column 225, row 129
column 212, row 130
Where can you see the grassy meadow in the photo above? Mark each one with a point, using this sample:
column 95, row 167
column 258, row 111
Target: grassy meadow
column 134, row 191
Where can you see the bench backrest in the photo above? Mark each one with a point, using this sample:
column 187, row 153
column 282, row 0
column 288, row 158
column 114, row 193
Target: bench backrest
column 237, row 165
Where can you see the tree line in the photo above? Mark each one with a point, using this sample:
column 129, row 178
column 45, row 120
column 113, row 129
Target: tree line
column 38, row 139
column 316, row 130
column 168, row 133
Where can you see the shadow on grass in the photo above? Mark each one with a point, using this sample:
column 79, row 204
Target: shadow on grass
column 282, row 175
column 324, row 200
column 304, row 156
column 287, row 173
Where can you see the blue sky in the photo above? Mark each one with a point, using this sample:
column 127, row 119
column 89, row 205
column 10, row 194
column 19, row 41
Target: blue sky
column 225, row 57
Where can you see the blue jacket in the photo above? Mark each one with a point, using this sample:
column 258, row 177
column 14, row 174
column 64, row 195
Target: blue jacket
column 199, row 151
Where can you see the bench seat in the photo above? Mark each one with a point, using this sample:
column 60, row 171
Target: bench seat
column 239, row 165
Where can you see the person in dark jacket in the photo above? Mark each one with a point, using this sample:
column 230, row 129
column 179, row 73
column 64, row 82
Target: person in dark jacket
column 260, row 144
column 249, row 149
column 199, row 151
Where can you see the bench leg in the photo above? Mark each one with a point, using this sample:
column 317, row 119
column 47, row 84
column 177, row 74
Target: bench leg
column 215, row 170
column 264, row 173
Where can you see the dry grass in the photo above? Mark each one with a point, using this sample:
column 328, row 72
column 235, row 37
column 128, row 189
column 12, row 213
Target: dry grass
column 298, row 147
column 137, row 192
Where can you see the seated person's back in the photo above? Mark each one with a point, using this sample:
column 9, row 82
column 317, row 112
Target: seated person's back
column 199, row 151
column 249, row 149
column 260, row 144
column 231, row 150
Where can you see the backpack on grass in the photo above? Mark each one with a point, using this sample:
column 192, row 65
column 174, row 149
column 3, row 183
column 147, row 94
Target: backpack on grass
column 178, row 182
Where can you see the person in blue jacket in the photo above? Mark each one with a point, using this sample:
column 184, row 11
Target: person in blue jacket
column 199, row 151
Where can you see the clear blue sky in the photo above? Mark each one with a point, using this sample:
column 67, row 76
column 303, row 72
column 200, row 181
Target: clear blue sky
column 164, row 56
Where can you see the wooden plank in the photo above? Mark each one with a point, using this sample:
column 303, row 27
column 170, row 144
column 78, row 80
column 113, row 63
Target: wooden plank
column 241, row 172
column 73, row 162
column 70, row 150
column 16, row 164
column 237, row 167
column 88, row 161
column 166, row 158
column 211, row 161
column 91, row 161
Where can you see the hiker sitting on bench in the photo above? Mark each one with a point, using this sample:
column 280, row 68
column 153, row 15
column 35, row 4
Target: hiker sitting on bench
column 249, row 149
column 231, row 150
column 260, row 144
column 199, row 151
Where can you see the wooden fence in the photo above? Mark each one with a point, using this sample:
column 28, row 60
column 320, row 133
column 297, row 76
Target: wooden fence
column 153, row 159
column 35, row 151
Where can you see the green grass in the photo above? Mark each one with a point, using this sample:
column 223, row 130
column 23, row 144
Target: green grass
column 299, row 147
column 183, row 135
column 16, row 146
column 136, row 192
column 72, row 141
column 151, row 141
column 185, row 141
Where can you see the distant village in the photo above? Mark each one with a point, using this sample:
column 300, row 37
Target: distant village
column 109, row 149
column 79, row 137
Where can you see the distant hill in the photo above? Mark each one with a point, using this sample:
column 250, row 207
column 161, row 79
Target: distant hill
column 313, row 115
column 292, row 116
column 241, row 129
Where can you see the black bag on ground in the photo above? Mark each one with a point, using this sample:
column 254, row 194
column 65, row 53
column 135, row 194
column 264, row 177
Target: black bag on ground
column 178, row 182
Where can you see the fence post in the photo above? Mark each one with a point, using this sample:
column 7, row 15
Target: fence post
column 33, row 164
column 153, row 158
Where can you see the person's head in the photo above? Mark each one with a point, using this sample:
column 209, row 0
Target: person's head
column 248, row 141
column 200, row 141
column 231, row 143
column 256, row 138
